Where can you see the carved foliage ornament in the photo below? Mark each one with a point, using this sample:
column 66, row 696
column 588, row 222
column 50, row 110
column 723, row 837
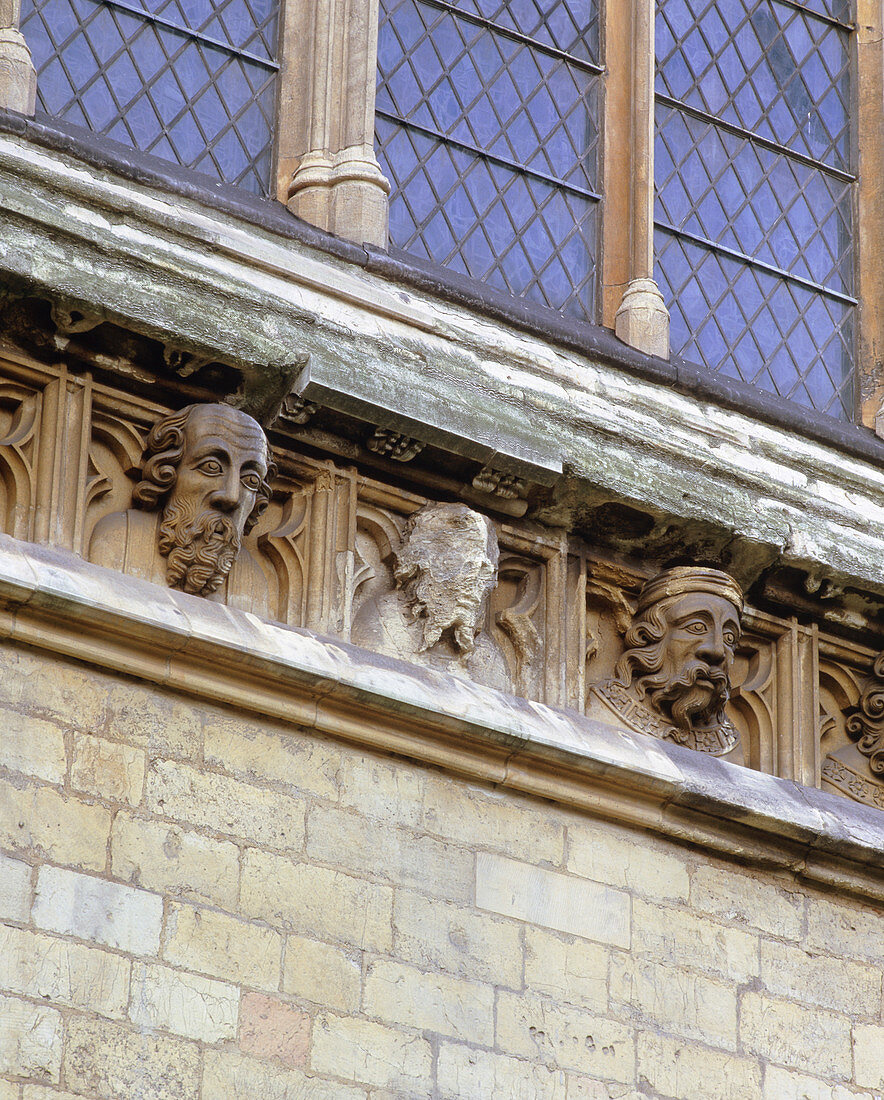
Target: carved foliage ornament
column 845, row 769
column 399, row 447
column 865, row 724
column 673, row 680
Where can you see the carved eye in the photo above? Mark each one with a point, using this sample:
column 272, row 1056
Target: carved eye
column 251, row 481
column 696, row 627
column 210, row 466
column 730, row 638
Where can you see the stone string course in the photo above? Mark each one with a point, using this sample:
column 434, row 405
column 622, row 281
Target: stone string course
column 199, row 905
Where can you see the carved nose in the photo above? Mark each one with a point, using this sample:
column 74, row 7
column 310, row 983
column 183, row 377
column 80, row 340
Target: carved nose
column 712, row 649
column 226, row 497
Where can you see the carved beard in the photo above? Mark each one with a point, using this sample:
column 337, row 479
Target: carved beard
column 434, row 604
column 687, row 704
column 201, row 547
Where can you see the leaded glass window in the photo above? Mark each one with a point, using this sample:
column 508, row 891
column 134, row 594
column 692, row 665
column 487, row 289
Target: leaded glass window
column 191, row 81
column 487, row 129
column 753, row 171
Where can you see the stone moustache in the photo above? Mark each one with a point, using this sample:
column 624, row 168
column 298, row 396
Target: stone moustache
column 205, row 481
column 673, row 680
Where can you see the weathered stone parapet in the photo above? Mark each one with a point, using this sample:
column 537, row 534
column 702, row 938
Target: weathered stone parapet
column 53, row 601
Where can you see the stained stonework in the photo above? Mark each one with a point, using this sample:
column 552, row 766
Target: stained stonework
column 673, row 681
column 323, row 555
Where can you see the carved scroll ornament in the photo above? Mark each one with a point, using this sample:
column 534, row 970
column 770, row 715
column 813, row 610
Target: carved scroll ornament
column 866, row 724
column 673, row 680
column 857, row 770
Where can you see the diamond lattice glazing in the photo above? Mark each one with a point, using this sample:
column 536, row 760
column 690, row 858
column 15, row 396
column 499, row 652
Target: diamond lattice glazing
column 749, row 198
column 762, row 65
column 490, row 140
column 190, row 81
column 750, row 324
column 754, row 237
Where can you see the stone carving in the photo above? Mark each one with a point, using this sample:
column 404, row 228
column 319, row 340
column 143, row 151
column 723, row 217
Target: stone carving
column 69, row 320
column 857, row 769
column 498, row 484
column 204, row 484
column 296, row 410
column 322, row 557
column 401, row 448
column 443, row 570
column 183, row 362
column 673, row 681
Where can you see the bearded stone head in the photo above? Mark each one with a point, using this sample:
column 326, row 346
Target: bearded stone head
column 447, row 567
column 208, row 467
column 680, row 646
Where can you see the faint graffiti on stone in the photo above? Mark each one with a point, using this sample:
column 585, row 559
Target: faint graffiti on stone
column 673, row 680
column 442, row 572
column 204, row 484
column 857, row 770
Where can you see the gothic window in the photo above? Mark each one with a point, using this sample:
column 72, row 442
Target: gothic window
column 487, row 129
column 754, row 174
column 191, row 81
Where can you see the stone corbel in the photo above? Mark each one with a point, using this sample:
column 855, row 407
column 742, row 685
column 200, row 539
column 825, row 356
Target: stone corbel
column 18, row 78
column 395, row 445
column 327, row 142
column 642, row 321
column 500, row 484
column 295, row 410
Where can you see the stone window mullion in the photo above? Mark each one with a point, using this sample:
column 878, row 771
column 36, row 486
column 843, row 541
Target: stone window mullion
column 328, row 173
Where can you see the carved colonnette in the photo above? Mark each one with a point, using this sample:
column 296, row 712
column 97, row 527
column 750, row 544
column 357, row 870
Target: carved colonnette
column 508, row 603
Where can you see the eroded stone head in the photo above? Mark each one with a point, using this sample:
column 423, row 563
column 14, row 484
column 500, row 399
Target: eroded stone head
column 447, row 567
column 208, row 468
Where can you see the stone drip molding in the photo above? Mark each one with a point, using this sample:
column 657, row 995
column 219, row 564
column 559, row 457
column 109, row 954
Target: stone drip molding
column 53, row 601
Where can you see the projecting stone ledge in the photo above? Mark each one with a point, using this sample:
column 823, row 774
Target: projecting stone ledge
column 552, row 403
column 55, row 601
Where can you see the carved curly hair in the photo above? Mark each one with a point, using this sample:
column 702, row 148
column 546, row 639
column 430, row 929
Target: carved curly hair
column 163, row 452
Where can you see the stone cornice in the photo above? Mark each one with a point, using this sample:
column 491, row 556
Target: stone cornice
column 53, row 601
column 592, row 424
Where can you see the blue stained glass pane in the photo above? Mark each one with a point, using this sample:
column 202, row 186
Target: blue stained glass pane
column 741, row 195
column 571, row 26
column 149, row 85
column 516, row 233
column 762, row 291
column 753, row 325
column 490, row 142
column 764, row 65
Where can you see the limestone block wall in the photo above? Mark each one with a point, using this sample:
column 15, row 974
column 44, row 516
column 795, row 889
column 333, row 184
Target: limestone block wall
column 198, row 904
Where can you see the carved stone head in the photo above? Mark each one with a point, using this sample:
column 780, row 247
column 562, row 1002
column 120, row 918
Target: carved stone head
column 447, row 567
column 680, row 646
column 208, row 468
